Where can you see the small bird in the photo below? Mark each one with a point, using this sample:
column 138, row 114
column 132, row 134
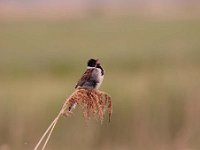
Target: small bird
column 93, row 76
column 91, row 79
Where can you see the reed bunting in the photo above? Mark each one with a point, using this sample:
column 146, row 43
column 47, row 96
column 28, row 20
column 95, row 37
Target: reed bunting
column 93, row 76
column 91, row 79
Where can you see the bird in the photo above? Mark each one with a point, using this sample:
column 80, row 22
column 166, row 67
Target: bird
column 92, row 77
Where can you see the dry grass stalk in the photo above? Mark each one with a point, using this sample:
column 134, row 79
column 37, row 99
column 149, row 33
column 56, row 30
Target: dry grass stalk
column 93, row 103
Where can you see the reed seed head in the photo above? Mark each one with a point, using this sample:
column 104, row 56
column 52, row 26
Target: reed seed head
column 93, row 103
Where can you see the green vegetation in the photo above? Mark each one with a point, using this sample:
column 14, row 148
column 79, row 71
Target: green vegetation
column 152, row 74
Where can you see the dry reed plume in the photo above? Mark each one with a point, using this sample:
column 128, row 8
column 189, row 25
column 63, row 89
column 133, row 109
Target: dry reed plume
column 93, row 103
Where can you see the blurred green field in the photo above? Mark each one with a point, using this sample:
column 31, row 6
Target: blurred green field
column 152, row 73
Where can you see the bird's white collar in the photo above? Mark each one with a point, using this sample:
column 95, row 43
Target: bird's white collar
column 90, row 67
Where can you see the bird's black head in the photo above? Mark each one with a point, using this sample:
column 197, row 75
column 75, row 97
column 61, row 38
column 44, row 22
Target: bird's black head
column 92, row 63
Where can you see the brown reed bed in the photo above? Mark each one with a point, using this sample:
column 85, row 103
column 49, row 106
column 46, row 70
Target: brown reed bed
column 94, row 103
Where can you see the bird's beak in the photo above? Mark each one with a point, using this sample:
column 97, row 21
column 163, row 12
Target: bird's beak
column 98, row 62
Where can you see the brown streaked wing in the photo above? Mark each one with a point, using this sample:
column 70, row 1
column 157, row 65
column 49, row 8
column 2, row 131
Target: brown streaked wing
column 85, row 77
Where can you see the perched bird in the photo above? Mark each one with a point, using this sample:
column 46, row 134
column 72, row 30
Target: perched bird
column 93, row 76
column 91, row 79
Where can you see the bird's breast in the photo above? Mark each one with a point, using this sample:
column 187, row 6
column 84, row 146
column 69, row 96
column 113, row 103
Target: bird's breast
column 100, row 78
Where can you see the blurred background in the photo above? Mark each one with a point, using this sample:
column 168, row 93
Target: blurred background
column 149, row 49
